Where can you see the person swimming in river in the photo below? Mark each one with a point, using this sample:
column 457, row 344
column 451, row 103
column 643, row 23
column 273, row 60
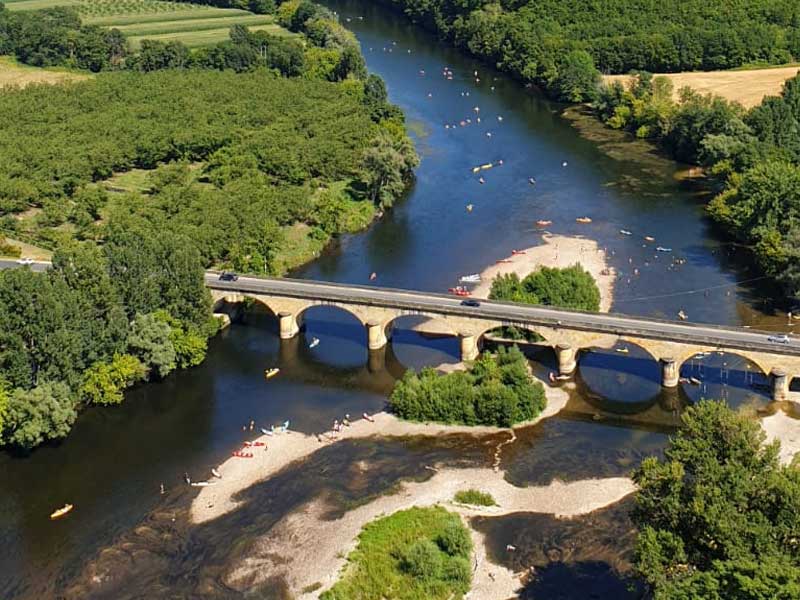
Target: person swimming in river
column 373, row 276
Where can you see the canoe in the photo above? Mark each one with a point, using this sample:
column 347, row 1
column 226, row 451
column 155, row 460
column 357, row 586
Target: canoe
column 625, row 232
column 583, row 220
column 57, row 514
column 203, row 483
column 314, row 343
column 649, row 238
column 216, row 474
column 271, row 373
column 266, row 431
column 543, row 223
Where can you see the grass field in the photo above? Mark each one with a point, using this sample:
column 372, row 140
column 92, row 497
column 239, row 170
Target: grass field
column 15, row 74
column 193, row 24
column 746, row 86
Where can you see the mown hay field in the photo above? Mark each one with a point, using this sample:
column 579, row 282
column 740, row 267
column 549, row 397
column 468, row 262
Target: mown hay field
column 747, row 87
column 14, row 74
column 193, row 24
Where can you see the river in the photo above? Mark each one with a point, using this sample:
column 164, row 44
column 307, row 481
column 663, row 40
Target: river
column 112, row 464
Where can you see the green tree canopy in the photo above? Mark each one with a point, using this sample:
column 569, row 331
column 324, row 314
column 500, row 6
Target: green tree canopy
column 718, row 515
column 571, row 287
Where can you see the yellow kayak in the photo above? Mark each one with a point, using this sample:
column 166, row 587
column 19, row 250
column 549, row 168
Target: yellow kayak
column 271, row 373
column 61, row 511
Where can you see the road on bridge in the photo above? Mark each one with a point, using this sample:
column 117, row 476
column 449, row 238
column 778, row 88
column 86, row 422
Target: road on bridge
column 729, row 338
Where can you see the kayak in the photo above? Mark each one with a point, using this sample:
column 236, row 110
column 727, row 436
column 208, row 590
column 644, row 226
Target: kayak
column 203, row 483
column 57, row 514
column 625, row 232
column 470, row 278
column 314, row 343
column 583, row 220
column 543, row 223
column 269, row 373
column 216, row 474
column 662, row 249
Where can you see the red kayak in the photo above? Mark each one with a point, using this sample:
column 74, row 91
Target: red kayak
column 459, row 291
column 243, row 454
column 518, row 252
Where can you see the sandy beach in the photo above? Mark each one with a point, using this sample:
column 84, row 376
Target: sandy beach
column 556, row 251
column 309, row 549
column 784, row 428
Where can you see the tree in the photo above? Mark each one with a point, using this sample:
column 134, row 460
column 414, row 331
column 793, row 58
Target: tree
column 718, row 515
column 43, row 413
column 149, row 340
column 386, row 165
column 571, row 287
column 103, row 383
column 577, row 79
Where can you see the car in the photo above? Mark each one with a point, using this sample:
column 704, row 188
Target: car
column 228, row 276
column 25, row 261
column 779, row 339
column 470, row 302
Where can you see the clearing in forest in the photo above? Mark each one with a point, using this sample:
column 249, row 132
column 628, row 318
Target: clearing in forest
column 747, row 87
column 14, row 74
column 192, row 24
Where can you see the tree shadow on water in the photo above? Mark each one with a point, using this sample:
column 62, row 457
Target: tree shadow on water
column 588, row 580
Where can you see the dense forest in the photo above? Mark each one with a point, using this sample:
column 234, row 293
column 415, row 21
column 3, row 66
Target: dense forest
column 561, row 44
column 248, row 155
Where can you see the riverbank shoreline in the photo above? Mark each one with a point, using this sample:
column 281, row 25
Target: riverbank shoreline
column 556, row 251
column 282, row 449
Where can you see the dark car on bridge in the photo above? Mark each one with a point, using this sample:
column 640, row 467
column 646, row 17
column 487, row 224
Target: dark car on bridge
column 473, row 303
column 228, row 276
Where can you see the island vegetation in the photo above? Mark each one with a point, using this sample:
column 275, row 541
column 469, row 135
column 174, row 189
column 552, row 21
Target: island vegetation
column 717, row 516
column 570, row 287
column 249, row 154
column 474, row 497
column 414, row 554
column 497, row 390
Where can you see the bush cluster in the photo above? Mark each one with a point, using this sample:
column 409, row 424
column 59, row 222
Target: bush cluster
column 497, row 390
column 571, row 287
column 474, row 497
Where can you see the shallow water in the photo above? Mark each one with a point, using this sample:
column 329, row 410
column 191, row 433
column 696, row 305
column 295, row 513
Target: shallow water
column 112, row 464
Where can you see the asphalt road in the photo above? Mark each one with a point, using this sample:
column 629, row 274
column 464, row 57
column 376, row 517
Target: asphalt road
column 13, row 264
column 730, row 338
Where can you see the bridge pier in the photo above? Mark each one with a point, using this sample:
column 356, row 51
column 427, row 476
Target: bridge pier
column 288, row 325
column 567, row 359
column 469, row 347
column 669, row 372
column 780, row 385
column 376, row 336
column 376, row 360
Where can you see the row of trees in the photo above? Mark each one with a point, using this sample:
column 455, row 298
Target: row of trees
column 561, row 44
column 496, row 390
column 752, row 158
column 570, row 287
column 94, row 324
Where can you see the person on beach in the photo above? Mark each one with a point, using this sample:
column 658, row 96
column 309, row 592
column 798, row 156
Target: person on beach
column 346, row 420
column 368, row 418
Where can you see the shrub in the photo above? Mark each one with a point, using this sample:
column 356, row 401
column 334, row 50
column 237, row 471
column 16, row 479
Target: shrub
column 423, row 560
column 458, row 571
column 454, row 540
column 571, row 287
column 474, row 497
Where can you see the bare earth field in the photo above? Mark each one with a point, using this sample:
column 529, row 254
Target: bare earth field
column 13, row 74
column 745, row 87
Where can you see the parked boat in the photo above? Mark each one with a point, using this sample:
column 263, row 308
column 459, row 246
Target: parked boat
column 583, row 220
column 270, row 373
column 470, row 278
column 203, row 483
column 518, row 252
column 459, row 290
column 57, row 514
column 622, row 350
column 694, row 381
column 216, row 474
column 267, row 431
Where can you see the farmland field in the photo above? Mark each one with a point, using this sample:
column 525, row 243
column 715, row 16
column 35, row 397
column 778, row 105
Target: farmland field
column 192, row 24
column 14, row 74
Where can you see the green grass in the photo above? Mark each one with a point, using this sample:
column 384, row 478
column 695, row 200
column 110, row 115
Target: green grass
column 195, row 39
column 174, row 15
column 160, row 27
column 415, row 554
column 474, row 497
column 135, row 180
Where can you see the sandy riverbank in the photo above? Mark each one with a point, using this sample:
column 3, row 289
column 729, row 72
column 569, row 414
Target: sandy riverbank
column 784, row 428
column 283, row 449
column 556, row 251
column 309, row 549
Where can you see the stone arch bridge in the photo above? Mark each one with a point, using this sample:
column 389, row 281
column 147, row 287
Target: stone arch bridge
column 568, row 332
